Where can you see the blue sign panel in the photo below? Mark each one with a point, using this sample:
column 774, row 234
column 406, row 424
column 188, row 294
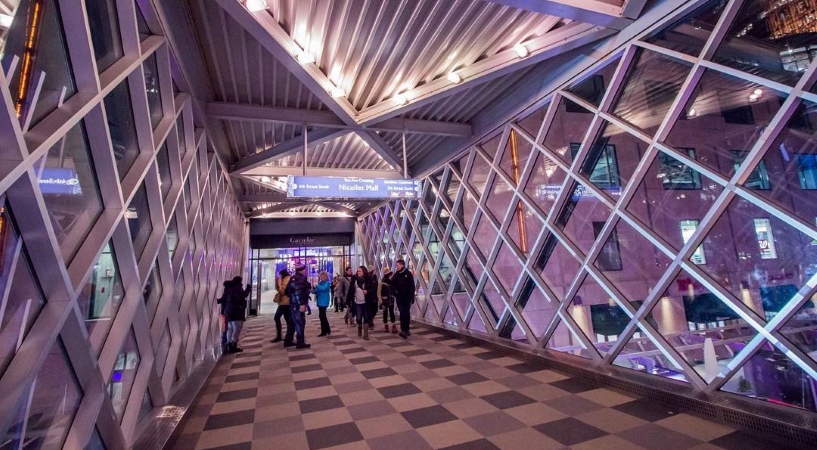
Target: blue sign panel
column 329, row 187
column 60, row 181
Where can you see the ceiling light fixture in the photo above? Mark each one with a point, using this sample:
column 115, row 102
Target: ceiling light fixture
column 454, row 78
column 337, row 92
column 400, row 99
column 758, row 92
column 520, row 50
column 305, row 58
column 266, row 179
column 256, row 5
column 5, row 20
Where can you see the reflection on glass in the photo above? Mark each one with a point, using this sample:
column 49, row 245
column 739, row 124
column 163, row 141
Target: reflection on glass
column 104, row 26
column 101, row 297
column 122, row 128
column 689, row 35
column 152, row 86
column 478, row 177
column 152, row 291
column 565, row 341
column 535, row 308
column 688, row 228
column 144, row 30
column 641, row 354
column 723, row 119
column 484, row 236
column 507, row 268
column 544, row 183
column 492, row 301
column 499, row 198
column 578, row 214
column 181, row 134
column 593, row 87
column 524, row 227
column 138, row 216
column 69, row 187
column 558, row 267
column 511, row 330
column 124, row 374
column 530, row 124
column 39, row 23
column 771, row 39
column 163, row 165
column 568, row 126
column 44, row 416
column 476, row 324
column 651, row 85
column 515, row 156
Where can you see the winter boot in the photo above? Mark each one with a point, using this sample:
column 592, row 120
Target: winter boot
column 394, row 328
column 366, row 332
column 360, row 330
column 236, row 348
column 387, row 328
column 277, row 339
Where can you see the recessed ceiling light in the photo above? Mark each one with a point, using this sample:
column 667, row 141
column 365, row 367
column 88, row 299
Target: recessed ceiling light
column 306, row 58
column 337, row 92
column 454, row 77
column 256, row 5
column 5, row 20
column 400, row 99
column 520, row 50
column 758, row 92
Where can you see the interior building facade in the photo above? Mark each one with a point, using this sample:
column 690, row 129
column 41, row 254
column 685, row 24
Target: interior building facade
column 623, row 187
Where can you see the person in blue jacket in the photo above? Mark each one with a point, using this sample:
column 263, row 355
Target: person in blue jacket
column 322, row 299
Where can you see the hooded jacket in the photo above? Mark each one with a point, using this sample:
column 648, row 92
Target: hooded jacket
column 235, row 301
column 298, row 289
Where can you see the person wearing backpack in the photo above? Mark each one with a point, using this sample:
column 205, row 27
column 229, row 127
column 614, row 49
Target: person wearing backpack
column 234, row 310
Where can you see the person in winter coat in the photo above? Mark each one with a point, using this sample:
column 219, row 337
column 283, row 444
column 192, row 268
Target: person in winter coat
column 359, row 288
column 341, row 289
column 283, row 306
column 402, row 283
column 221, row 303
column 371, row 296
column 298, row 290
column 322, row 300
column 235, row 307
column 386, row 299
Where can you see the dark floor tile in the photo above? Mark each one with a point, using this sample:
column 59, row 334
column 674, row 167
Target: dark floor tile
column 241, row 446
column 526, row 368
column 419, row 352
column 320, row 404
column 400, row 344
column 378, row 373
column 245, row 355
column 466, row 378
column 424, row 417
column 344, row 342
column 462, row 346
column 740, row 440
column 241, row 394
column 441, row 338
column 309, row 368
column 494, row 423
column 230, row 419
column 400, row 390
column 242, row 377
column 353, row 350
column 654, row 437
column 519, row 382
column 245, row 364
column 569, row 431
column 311, row 384
column 648, row 410
column 302, row 357
column 333, row 436
column 364, row 360
column 407, row 440
column 509, row 399
column 490, row 355
column 573, row 405
column 438, row 364
column 482, row 444
column 575, row 385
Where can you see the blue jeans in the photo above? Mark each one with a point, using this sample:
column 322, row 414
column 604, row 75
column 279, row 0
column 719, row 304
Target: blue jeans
column 362, row 313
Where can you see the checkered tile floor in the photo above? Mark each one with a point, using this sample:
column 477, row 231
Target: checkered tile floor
column 429, row 391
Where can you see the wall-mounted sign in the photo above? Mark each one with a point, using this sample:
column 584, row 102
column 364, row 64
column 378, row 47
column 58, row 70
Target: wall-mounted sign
column 331, row 187
column 59, row 181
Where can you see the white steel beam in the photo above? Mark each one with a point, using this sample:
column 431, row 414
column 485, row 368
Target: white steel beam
column 594, row 12
column 272, row 171
column 285, row 148
column 327, row 119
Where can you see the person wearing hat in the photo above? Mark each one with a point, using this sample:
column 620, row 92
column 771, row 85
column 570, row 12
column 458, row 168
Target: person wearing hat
column 298, row 290
column 386, row 299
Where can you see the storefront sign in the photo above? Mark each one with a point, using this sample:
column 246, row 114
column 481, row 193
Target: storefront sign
column 59, row 181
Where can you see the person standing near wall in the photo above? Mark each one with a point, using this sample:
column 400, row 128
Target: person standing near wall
column 298, row 290
column 235, row 310
column 402, row 283
column 283, row 307
column 322, row 300
column 341, row 289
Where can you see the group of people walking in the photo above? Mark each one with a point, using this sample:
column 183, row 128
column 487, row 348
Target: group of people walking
column 360, row 295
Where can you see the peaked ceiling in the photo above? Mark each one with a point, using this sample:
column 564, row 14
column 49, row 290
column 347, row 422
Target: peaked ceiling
column 368, row 81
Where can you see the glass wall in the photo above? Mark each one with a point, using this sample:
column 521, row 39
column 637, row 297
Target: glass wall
column 654, row 214
column 99, row 277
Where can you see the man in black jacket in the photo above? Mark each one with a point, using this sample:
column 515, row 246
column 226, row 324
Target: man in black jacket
column 402, row 283
column 298, row 291
column 234, row 301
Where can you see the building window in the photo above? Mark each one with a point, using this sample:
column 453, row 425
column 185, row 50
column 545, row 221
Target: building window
column 677, row 175
column 807, row 170
column 765, row 239
column 759, row 178
column 688, row 228
column 610, row 256
column 601, row 166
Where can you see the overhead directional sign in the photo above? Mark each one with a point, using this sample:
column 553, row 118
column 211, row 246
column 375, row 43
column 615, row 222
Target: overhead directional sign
column 352, row 187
